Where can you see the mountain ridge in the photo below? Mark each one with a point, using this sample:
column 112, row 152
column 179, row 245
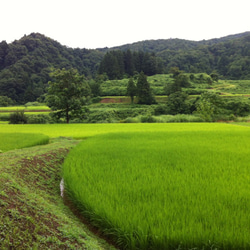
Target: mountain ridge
column 203, row 41
column 25, row 63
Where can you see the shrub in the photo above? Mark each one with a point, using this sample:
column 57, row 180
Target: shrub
column 5, row 101
column 102, row 116
column 30, row 104
column 148, row 119
column 131, row 120
column 242, row 119
column 39, row 119
column 160, row 110
column 178, row 118
column 96, row 99
column 18, row 117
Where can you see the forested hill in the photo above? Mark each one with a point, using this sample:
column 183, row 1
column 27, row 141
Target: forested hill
column 229, row 56
column 25, row 63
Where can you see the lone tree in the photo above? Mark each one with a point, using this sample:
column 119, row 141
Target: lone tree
column 144, row 92
column 67, row 94
column 131, row 89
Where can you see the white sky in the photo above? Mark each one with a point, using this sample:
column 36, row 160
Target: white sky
column 108, row 23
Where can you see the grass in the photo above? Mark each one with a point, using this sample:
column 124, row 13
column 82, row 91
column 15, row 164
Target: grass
column 178, row 189
column 32, row 213
column 242, row 123
column 18, row 140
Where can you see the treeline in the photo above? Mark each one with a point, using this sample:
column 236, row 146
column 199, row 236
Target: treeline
column 118, row 64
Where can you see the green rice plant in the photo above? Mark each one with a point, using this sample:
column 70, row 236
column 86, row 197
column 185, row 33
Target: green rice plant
column 181, row 188
column 80, row 131
column 4, row 116
column 24, row 108
column 9, row 141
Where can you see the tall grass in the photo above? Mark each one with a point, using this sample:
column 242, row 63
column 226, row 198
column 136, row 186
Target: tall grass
column 165, row 190
column 9, row 141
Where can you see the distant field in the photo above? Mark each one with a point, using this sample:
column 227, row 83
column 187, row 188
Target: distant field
column 186, row 187
column 30, row 110
column 9, row 141
column 158, row 82
column 25, row 109
column 26, row 113
column 234, row 86
column 80, row 131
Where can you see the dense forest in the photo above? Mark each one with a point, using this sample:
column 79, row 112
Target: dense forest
column 25, row 64
column 116, row 64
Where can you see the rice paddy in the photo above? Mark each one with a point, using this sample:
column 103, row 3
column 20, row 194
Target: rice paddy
column 80, row 131
column 9, row 141
column 155, row 186
column 178, row 189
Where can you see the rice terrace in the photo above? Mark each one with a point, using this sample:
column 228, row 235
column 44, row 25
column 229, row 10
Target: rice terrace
column 143, row 186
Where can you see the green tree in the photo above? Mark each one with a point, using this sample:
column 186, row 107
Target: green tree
column 95, row 86
column 144, row 92
column 129, row 63
column 18, row 117
column 176, row 103
column 67, row 94
column 175, row 71
column 131, row 89
column 5, row 101
column 209, row 105
column 215, row 76
column 181, row 80
column 171, row 88
column 238, row 107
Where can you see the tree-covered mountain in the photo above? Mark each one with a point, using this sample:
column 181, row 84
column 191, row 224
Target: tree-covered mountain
column 25, row 63
column 229, row 56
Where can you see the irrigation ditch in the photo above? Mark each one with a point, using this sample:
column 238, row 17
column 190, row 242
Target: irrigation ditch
column 73, row 208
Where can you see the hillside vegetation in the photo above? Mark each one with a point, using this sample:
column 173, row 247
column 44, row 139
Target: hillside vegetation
column 25, row 63
column 230, row 100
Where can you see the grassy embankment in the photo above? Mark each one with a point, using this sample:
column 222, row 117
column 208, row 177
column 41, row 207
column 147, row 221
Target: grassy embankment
column 32, row 212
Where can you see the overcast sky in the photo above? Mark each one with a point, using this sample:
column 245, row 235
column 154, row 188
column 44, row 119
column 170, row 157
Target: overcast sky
column 108, row 23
